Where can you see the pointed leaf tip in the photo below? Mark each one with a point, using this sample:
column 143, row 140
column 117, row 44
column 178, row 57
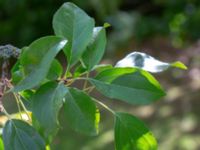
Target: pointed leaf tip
column 179, row 64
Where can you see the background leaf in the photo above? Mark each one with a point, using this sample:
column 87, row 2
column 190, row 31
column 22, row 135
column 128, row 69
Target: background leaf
column 132, row 85
column 74, row 24
column 18, row 135
column 36, row 61
column 95, row 49
column 46, row 104
column 147, row 62
column 132, row 134
column 81, row 112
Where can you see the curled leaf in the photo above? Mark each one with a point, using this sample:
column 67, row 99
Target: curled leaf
column 147, row 62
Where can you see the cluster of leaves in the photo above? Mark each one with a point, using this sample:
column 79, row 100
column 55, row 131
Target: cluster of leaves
column 38, row 80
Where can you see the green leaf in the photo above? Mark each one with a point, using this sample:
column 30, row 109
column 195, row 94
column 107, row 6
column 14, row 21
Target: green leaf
column 102, row 67
column 95, row 49
column 1, row 144
column 79, row 71
column 132, row 134
column 37, row 59
column 26, row 98
column 18, row 135
column 132, row 85
column 147, row 62
column 74, row 24
column 179, row 64
column 16, row 73
column 46, row 104
column 55, row 70
column 81, row 112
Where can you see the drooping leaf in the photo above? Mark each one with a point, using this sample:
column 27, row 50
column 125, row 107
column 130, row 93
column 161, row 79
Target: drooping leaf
column 81, row 112
column 95, row 49
column 55, row 70
column 1, row 144
column 37, row 59
column 132, row 134
column 46, row 104
column 74, row 24
column 132, row 85
column 147, row 62
column 19, row 135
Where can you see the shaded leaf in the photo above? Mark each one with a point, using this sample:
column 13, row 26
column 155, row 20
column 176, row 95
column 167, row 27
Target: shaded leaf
column 74, row 24
column 79, row 71
column 81, row 112
column 37, row 59
column 26, row 98
column 102, row 67
column 95, row 49
column 46, row 104
column 147, row 62
column 16, row 73
column 55, row 70
column 18, row 135
column 132, row 134
column 132, row 85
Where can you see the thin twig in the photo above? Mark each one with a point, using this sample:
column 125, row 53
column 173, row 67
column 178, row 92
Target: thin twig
column 103, row 105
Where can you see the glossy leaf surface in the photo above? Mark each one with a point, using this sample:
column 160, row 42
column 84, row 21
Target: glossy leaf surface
column 37, row 59
column 46, row 104
column 132, row 85
column 81, row 112
column 132, row 134
column 95, row 49
column 147, row 62
column 76, row 26
column 18, row 135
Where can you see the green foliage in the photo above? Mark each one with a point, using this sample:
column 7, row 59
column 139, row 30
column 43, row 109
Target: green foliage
column 51, row 96
column 1, row 144
column 81, row 112
column 37, row 59
column 19, row 135
column 38, row 79
column 131, row 133
column 115, row 83
column 77, row 30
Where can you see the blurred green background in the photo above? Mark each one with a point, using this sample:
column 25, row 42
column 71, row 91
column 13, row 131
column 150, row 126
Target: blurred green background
column 166, row 29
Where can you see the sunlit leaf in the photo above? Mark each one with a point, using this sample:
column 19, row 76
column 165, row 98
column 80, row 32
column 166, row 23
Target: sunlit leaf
column 76, row 26
column 37, row 59
column 147, row 62
column 81, row 112
column 132, row 134
column 19, row 135
column 132, row 85
column 1, row 144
